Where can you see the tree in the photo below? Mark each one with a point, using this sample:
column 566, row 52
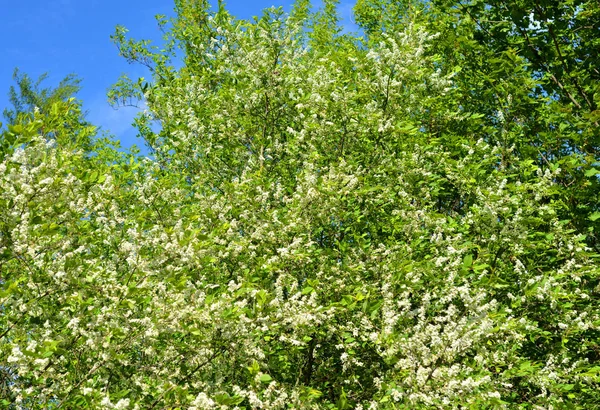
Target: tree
column 28, row 95
column 63, row 118
column 316, row 229
column 526, row 78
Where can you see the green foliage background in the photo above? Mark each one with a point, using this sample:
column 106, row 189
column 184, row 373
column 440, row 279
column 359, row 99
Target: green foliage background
column 404, row 217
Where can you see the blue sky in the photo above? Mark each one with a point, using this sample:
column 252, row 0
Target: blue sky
column 72, row 36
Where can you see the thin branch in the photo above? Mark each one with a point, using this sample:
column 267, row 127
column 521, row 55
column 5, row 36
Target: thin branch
column 562, row 59
column 188, row 376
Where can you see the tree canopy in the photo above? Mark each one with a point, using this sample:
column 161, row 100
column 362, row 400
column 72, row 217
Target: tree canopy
column 403, row 217
column 28, row 95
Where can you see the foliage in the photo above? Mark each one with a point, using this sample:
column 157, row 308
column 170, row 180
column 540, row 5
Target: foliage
column 28, row 94
column 328, row 221
column 54, row 111
column 527, row 79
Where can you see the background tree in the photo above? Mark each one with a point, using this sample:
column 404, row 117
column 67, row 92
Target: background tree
column 29, row 100
column 28, row 94
column 526, row 78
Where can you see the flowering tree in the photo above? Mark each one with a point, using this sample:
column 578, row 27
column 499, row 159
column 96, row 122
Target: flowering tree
column 303, row 237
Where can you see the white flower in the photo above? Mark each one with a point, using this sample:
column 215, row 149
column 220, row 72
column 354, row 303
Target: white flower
column 122, row 404
column 106, row 403
column 73, row 323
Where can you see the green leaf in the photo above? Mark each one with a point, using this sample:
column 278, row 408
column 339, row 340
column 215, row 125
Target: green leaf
column 226, row 400
column 254, row 368
column 93, row 176
column 265, row 378
column 468, row 261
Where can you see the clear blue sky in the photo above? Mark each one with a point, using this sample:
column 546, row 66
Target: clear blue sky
column 72, row 36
